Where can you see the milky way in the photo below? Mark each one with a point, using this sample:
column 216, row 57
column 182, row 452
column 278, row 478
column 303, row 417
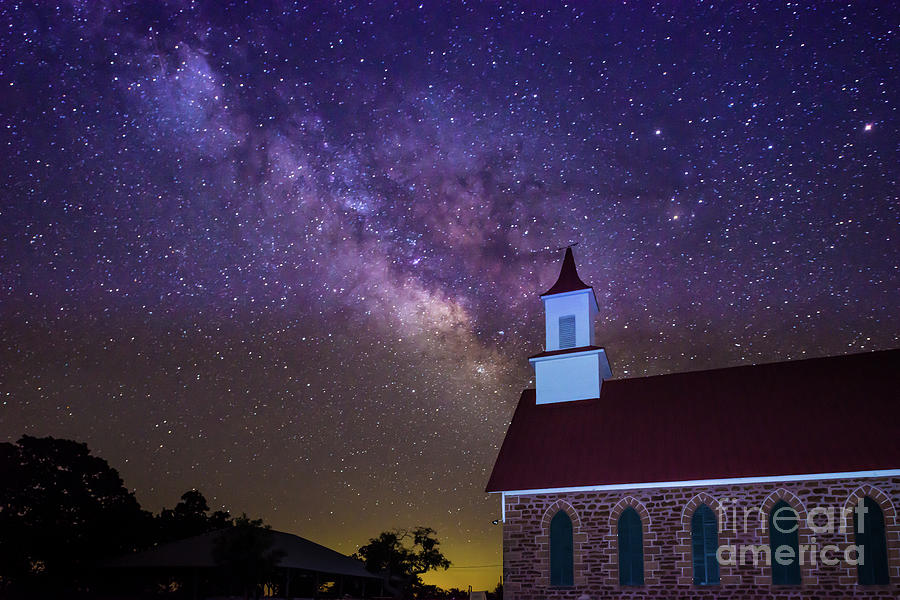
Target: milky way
column 290, row 255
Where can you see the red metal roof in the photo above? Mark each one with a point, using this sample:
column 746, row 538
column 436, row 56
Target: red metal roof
column 823, row 415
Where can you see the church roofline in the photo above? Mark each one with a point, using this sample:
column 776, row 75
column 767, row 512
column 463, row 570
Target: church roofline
column 781, row 419
column 704, row 482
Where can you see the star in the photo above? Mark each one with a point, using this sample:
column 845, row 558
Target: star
column 264, row 229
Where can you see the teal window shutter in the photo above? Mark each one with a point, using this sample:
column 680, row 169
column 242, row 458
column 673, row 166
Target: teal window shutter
column 873, row 570
column 705, row 542
column 786, row 533
column 561, row 550
column 631, row 549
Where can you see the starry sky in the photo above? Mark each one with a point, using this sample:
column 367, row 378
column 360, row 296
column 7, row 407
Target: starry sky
column 290, row 254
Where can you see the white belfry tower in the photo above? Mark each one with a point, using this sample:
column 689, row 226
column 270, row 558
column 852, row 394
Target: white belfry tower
column 571, row 366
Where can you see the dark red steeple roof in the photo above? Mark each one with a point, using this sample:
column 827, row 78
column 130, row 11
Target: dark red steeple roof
column 824, row 415
column 568, row 280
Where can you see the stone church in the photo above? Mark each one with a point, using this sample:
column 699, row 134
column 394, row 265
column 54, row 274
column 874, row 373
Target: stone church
column 777, row 480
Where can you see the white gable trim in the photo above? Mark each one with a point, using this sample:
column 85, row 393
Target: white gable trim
column 703, row 482
column 587, row 290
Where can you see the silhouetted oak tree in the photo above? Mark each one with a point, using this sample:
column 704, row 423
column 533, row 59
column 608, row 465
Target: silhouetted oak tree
column 60, row 509
column 403, row 556
column 190, row 517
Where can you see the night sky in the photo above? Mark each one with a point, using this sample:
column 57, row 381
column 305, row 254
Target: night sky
column 291, row 256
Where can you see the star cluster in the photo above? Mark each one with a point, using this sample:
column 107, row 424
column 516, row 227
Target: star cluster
column 290, row 253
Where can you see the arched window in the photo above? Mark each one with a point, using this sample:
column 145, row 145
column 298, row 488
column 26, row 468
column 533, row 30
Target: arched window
column 873, row 569
column 561, row 549
column 705, row 542
column 784, row 544
column 631, row 549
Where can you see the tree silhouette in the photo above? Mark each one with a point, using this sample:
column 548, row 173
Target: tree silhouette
column 60, row 509
column 404, row 556
column 244, row 553
column 189, row 517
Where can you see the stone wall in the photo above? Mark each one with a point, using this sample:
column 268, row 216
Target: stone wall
column 666, row 518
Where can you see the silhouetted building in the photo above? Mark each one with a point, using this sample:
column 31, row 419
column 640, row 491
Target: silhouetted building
column 304, row 570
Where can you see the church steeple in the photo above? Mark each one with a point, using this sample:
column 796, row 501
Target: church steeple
column 571, row 366
column 568, row 280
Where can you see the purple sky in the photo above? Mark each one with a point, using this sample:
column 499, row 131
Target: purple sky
column 291, row 256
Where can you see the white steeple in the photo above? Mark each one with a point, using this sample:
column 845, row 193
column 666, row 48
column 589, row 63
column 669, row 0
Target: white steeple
column 571, row 366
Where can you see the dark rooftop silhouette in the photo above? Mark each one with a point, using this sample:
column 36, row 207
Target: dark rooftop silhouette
column 197, row 551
